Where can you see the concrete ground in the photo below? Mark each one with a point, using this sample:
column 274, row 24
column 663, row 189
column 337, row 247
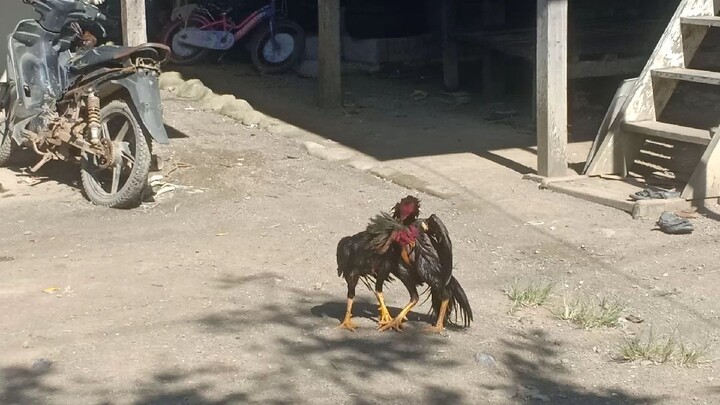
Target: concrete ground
column 224, row 290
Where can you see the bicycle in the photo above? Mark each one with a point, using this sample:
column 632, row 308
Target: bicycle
column 275, row 43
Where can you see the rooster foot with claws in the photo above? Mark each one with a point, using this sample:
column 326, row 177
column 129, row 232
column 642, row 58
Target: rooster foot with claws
column 348, row 324
column 396, row 324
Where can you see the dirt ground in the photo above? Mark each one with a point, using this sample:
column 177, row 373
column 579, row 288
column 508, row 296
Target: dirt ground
column 224, row 291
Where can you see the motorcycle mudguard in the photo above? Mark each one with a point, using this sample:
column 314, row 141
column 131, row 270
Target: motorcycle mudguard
column 183, row 12
column 145, row 95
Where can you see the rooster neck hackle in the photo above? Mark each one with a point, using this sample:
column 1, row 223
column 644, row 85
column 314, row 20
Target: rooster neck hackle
column 383, row 229
column 406, row 236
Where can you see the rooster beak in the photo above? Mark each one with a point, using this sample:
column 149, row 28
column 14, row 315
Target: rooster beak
column 424, row 226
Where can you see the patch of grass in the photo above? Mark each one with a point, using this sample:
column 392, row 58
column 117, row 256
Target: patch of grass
column 531, row 295
column 590, row 313
column 670, row 349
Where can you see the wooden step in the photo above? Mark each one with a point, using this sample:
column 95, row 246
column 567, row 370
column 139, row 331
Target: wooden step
column 688, row 75
column 669, row 131
column 706, row 21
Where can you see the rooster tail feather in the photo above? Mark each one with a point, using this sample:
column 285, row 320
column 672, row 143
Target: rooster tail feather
column 343, row 255
column 459, row 306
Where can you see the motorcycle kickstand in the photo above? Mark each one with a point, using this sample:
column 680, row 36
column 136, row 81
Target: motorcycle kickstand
column 46, row 158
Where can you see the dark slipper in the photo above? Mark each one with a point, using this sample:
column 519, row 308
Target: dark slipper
column 674, row 225
column 648, row 194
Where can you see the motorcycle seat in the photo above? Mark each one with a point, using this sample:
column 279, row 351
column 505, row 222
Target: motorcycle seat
column 104, row 54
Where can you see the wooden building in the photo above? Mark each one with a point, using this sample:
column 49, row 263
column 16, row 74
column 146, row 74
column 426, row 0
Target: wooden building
column 557, row 45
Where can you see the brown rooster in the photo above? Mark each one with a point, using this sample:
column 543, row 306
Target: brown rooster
column 426, row 258
column 373, row 254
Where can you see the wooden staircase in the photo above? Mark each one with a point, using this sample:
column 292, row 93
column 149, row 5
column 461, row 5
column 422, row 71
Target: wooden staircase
column 637, row 126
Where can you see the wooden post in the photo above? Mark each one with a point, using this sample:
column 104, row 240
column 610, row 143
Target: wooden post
column 451, row 76
column 551, row 86
column 329, row 63
column 134, row 22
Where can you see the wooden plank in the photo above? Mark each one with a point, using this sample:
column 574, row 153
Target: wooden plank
column 603, row 68
column 705, row 180
column 134, row 22
column 329, row 63
column 669, row 131
column 688, row 75
column 451, row 75
column 616, row 104
column 645, row 103
column 551, row 87
column 706, row 21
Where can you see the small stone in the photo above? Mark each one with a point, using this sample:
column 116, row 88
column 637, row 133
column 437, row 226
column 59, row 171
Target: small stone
column 41, row 365
column 634, row 319
column 485, row 360
column 665, row 274
column 26, row 345
column 646, row 363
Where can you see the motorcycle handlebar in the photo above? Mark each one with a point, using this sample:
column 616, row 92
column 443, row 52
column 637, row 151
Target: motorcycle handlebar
column 55, row 14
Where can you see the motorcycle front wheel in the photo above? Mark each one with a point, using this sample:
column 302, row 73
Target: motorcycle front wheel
column 7, row 144
column 120, row 184
column 280, row 55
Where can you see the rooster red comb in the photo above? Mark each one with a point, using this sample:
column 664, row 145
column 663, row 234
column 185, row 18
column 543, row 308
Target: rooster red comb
column 407, row 208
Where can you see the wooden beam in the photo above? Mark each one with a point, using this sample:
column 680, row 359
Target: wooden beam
column 134, row 22
column 451, row 75
column 329, row 63
column 551, row 87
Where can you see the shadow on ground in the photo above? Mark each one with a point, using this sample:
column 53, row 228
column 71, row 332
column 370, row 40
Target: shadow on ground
column 293, row 354
column 533, row 362
column 390, row 118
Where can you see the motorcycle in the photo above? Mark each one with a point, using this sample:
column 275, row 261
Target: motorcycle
column 275, row 43
column 67, row 99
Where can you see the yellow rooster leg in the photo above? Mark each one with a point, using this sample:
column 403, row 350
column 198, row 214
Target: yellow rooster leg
column 384, row 313
column 397, row 323
column 440, row 324
column 347, row 322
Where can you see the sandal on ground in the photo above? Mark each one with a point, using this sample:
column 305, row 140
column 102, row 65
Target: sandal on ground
column 674, row 225
column 648, row 194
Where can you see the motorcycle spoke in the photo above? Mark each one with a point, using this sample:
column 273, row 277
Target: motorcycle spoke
column 105, row 130
column 122, row 132
column 117, row 171
column 125, row 150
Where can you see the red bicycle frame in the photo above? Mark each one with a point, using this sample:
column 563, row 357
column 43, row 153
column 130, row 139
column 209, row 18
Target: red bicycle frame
column 250, row 22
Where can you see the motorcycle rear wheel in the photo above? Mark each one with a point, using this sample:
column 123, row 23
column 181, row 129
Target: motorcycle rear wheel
column 121, row 185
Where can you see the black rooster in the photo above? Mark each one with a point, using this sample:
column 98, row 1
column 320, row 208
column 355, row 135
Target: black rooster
column 426, row 258
column 373, row 254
